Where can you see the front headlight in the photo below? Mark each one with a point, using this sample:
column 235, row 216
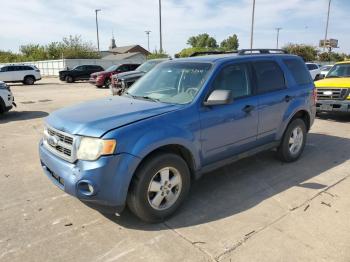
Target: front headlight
column 92, row 148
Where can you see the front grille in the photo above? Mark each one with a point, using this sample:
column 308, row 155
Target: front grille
column 332, row 93
column 64, row 138
column 60, row 143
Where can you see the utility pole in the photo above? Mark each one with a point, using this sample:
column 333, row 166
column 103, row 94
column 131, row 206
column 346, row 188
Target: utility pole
column 278, row 29
column 147, row 33
column 252, row 28
column 160, row 28
column 326, row 35
column 98, row 38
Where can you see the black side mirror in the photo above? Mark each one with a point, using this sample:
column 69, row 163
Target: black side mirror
column 319, row 77
column 219, row 97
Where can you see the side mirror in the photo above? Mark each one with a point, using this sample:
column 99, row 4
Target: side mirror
column 219, row 97
column 320, row 76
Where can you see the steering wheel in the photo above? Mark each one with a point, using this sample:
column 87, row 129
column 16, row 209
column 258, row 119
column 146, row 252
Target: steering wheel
column 192, row 91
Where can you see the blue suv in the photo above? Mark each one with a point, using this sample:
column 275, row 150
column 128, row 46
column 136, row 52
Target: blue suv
column 184, row 118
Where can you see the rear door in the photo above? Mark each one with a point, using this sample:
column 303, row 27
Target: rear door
column 230, row 129
column 273, row 98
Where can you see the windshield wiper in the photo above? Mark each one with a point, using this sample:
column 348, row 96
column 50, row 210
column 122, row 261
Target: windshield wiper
column 332, row 76
column 149, row 98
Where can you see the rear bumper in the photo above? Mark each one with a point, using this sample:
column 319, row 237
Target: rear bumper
column 109, row 176
column 333, row 106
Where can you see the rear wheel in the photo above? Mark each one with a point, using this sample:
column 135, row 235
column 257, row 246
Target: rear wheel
column 159, row 187
column 29, row 80
column 293, row 141
column 69, row 79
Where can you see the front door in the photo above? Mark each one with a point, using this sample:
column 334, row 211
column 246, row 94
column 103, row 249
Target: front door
column 229, row 129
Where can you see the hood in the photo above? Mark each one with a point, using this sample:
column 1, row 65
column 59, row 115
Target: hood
column 100, row 73
column 128, row 74
column 97, row 117
column 340, row 82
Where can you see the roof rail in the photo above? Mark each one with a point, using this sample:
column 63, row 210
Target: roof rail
column 212, row 53
column 261, row 51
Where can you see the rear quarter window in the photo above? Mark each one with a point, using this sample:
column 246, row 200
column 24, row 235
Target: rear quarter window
column 269, row 76
column 298, row 71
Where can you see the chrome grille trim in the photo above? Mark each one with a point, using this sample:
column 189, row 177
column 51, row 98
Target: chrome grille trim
column 337, row 93
column 65, row 147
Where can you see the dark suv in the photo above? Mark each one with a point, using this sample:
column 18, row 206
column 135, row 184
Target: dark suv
column 184, row 118
column 81, row 72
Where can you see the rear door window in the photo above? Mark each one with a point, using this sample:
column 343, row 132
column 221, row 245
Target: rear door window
column 269, row 76
column 298, row 70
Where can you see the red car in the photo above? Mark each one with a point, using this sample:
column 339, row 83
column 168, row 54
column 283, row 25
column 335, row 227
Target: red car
column 103, row 78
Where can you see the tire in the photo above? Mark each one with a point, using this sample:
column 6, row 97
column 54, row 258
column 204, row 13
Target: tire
column 293, row 141
column 152, row 197
column 2, row 106
column 107, row 83
column 69, row 79
column 29, row 80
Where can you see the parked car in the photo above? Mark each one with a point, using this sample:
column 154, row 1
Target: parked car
column 27, row 74
column 121, row 82
column 80, row 72
column 184, row 118
column 314, row 70
column 6, row 98
column 333, row 92
column 324, row 70
column 103, row 78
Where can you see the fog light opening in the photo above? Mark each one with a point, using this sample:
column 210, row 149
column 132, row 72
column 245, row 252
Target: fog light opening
column 86, row 188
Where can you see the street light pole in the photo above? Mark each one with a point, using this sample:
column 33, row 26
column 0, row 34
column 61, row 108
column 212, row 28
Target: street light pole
column 147, row 33
column 326, row 35
column 98, row 38
column 278, row 29
column 160, row 27
column 252, row 28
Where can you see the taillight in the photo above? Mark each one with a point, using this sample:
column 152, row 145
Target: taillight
column 314, row 95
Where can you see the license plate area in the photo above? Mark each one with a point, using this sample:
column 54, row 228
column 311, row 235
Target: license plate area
column 326, row 107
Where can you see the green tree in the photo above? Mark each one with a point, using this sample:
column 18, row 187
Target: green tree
column 69, row 47
column 202, row 41
column 307, row 52
column 156, row 54
column 332, row 57
column 189, row 51
column 231, row 43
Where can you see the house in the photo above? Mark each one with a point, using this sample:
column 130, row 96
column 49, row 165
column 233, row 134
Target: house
column 130, row 52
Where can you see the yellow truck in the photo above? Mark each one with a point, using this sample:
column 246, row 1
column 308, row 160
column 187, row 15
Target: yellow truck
column 333, row 92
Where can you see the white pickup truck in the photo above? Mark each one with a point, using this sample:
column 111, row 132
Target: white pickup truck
column 6, row 98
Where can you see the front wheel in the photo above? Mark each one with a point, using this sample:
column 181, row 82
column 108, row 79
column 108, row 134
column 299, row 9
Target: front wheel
column 159, row 187
column 293, row 141
column 69, row 79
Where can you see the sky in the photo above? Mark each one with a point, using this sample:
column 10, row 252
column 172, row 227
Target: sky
column 44, row 21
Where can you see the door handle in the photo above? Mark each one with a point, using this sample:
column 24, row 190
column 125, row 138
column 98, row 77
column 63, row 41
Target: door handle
column 248, row 108
column 288, row 98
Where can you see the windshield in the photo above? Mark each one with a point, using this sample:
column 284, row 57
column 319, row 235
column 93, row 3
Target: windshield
column 326, row 68
column 111, row 68
column 341, row 70
column 147, row 66
column 173, row 82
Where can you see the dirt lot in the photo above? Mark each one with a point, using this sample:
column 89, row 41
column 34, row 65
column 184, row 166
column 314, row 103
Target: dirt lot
column 255, row 210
